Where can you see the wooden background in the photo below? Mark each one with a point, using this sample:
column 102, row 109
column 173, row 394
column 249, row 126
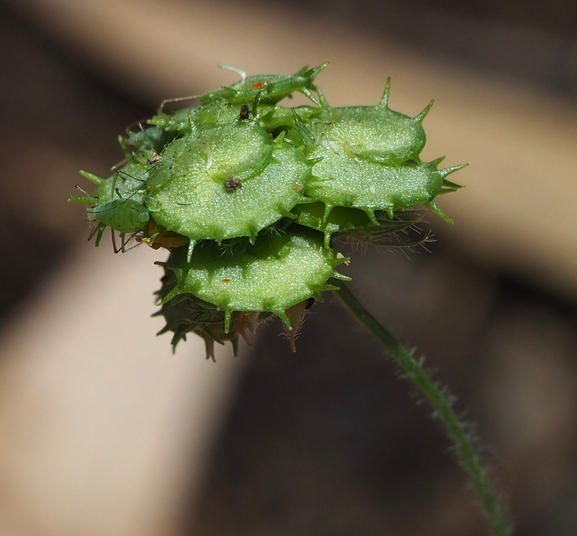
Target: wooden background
column 104, row 431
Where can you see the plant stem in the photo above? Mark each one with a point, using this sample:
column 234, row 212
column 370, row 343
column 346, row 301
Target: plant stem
column 441, row 404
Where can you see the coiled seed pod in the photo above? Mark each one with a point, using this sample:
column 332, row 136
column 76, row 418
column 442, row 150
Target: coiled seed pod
column 280, row 270
column 198, row 201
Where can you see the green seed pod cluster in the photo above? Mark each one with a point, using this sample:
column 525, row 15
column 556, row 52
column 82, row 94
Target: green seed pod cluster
column 247, row 195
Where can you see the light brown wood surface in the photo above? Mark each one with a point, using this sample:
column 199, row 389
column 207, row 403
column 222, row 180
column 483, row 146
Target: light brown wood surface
column 63, row 383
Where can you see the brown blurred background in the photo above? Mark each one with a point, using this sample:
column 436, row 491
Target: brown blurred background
column 329, row 441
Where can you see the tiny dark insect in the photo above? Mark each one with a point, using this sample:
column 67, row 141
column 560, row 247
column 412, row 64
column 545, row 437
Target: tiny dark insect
column 244, row 112
column 232, row 184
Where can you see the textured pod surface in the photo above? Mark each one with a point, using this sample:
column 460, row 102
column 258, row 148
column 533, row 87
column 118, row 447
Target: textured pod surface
column 279, row 271
column 241, row 149
column 374, row 133
column 200, row 203
column 340, row 180
column 350, row 221
column 340, row 219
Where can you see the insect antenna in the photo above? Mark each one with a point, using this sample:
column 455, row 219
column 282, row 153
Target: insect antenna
column 93, row 230
column 123, row 241
column 160, row 109
column 78, row 187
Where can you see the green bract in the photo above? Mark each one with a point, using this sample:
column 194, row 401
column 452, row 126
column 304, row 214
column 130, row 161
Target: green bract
column 248, row 196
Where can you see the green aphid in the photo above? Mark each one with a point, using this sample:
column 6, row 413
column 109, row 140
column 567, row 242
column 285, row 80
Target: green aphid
column 267, row 89
column 341, row 180
column 144, row 171
column 125, row 215
column 274, row 118
column 218, row 112
column 128, row 181
column 233, row 182
column 373, row 133
column 181, row 122
column 150, row 139
column 280, row 270
column 190, row 121
column 119, row 201
column 122, row 215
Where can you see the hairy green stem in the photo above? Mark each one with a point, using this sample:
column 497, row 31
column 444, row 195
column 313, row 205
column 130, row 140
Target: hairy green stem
column 441, row 405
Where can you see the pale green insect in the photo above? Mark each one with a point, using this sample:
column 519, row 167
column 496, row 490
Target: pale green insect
column 119, row 202
column 123, row 215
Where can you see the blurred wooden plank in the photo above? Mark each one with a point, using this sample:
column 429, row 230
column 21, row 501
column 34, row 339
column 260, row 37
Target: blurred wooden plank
column 103, row 429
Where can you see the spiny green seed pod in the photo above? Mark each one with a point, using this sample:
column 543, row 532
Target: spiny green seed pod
column 373, row 133
column 341, row 180
column 247, row 194
column 213, row 196
column 280, row 270
column 351, row 222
